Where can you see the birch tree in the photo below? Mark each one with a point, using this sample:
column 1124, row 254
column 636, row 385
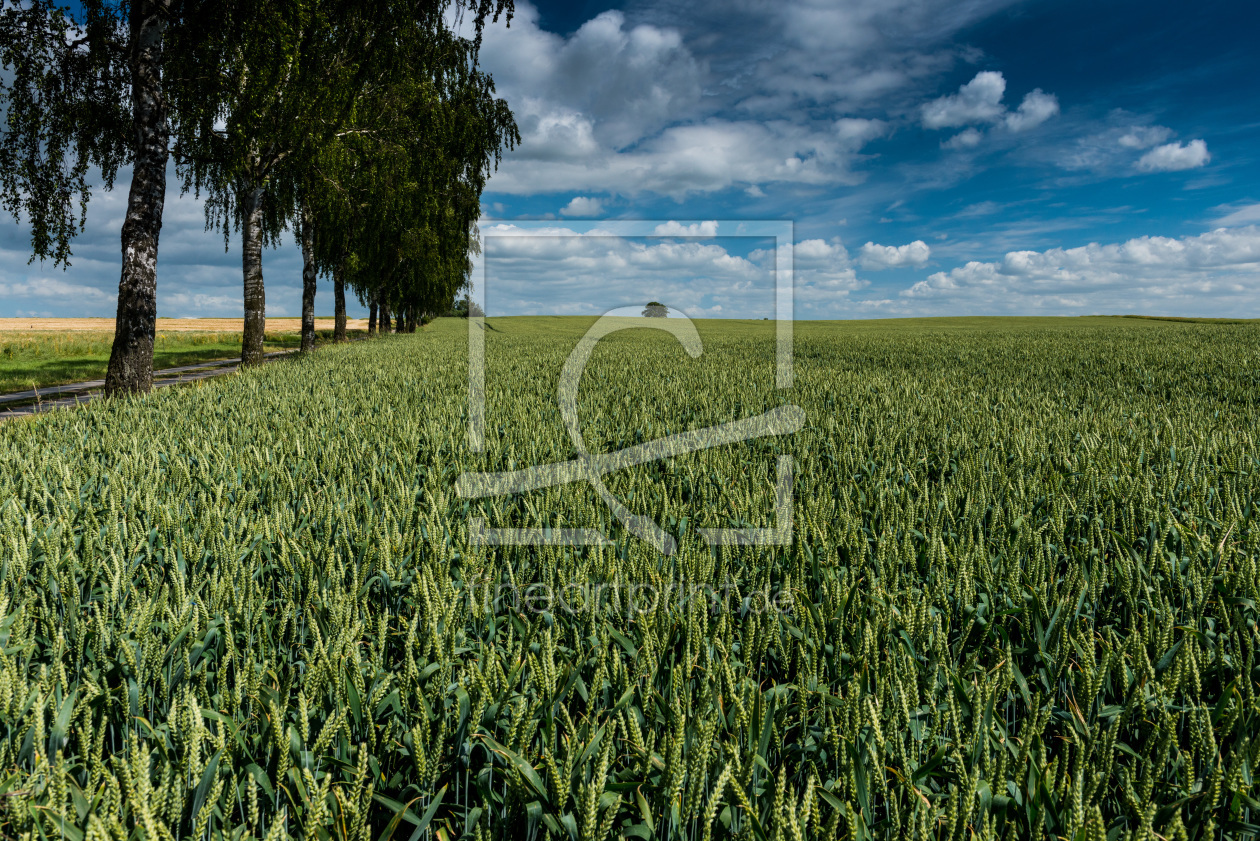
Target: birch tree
column 89, row 88
column 292, row 77
column 419, row 184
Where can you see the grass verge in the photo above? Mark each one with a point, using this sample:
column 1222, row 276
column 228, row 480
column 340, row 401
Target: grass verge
column 42, row 360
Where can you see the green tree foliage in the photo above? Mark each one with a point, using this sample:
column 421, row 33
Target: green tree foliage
column 655, row 309
column 400, row 197
column 368, row 120
column 339, row 115
column 64, row 98
column 89, row 87
column 286, row 75
column 465, row 307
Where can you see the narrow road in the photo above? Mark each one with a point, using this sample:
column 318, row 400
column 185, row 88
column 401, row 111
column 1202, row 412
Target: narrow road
column 26, row 403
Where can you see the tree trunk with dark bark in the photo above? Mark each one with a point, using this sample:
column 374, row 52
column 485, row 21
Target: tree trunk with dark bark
column 309, row 280
column 251, row 266
column 339, row 300
column 372, row 318
column 131, row 358
column 385, row 326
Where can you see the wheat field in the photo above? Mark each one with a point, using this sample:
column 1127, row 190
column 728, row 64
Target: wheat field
column 1020, row 599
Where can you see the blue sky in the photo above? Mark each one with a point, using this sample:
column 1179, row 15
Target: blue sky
column 935, row 158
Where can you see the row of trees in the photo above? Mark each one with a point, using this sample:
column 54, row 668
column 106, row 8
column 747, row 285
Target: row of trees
column 365, row 127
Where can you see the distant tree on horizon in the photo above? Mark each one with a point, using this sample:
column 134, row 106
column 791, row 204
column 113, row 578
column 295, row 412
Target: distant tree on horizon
column 466, row 307
column 655, row 309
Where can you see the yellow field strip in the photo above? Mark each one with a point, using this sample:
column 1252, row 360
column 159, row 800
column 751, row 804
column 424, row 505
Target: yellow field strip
column 190, row 325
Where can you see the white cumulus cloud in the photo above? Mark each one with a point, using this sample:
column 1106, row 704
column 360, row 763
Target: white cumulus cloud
column 978, row 101
column 595, row 271
column 683, row 160
column 1114, row 148
column 822, row 275
column 1036, row 108
column 854, row 133
column 1209, row 271
column 1173, row 157
column 966, row 139
column 583, row 206
column 628, row 107
column 874, row 256
column 678, row 229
